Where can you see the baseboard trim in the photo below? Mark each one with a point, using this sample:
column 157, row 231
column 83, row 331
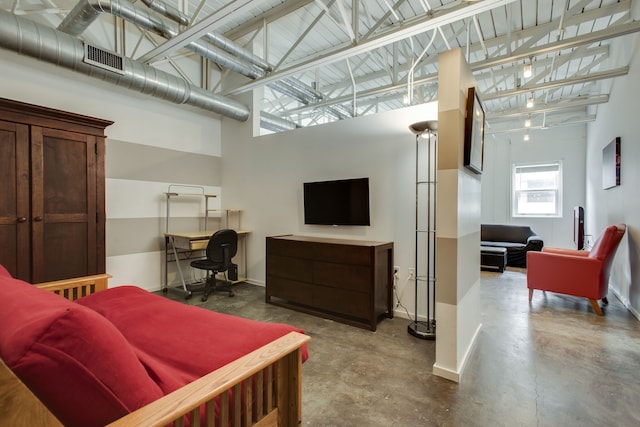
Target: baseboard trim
column 625, row 302
column 470, row 349
column 445, row 373
column 456, row 376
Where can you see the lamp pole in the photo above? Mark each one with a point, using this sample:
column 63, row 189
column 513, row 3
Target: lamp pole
column 425, row 233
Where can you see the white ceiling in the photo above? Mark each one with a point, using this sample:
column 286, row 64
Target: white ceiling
column 362, row 55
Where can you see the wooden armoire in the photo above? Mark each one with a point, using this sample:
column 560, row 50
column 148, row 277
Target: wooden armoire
column 52, row 192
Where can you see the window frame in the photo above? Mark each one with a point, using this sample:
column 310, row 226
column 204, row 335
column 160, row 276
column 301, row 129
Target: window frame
column 516, row 191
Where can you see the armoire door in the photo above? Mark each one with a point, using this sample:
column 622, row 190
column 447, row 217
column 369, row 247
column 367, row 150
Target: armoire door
column 52, row 192
column 15, row 228
column 63, row 204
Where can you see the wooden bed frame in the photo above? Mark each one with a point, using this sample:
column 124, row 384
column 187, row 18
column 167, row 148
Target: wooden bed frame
column 269, row 377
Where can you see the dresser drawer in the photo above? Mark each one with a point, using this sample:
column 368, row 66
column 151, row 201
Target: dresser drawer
column 290, row 268
column 343, row 276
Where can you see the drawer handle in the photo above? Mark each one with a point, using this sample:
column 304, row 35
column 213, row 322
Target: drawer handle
column 38, row 218
column 22, row 219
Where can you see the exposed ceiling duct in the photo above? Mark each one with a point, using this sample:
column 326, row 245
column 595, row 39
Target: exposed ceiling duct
column 87, row 11
column 26, row 37
column 275, row 123
column 241, row 61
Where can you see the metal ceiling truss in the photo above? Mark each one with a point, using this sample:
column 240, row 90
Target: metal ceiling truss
column 323, row 60
column 495, row 71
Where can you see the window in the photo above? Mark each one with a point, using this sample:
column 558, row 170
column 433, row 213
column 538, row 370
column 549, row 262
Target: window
column 537, row 190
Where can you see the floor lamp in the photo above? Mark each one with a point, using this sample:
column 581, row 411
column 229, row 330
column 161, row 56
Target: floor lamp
column 425, row 238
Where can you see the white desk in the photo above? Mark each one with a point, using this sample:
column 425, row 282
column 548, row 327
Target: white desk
column 197, row 241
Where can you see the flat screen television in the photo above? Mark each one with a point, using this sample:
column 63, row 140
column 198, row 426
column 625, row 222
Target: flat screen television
column 340, row 202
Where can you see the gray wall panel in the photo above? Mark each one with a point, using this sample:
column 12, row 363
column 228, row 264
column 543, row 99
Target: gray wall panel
column 446, row 271
column 468, row 263
column 125, row 160
column 136, row 235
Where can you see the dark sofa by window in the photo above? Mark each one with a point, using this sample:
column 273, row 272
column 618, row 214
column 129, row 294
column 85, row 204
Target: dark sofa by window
column 517, row 239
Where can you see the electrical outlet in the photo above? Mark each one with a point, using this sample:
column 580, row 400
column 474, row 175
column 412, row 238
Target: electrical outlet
column 412, row 273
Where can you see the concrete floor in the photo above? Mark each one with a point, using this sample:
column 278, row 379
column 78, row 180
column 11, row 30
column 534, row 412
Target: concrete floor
column 551, row 363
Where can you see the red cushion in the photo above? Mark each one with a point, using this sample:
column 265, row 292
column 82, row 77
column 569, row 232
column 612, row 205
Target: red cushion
column 179, row 343
column 4, row 272
column 607, row 243
column 77, row 363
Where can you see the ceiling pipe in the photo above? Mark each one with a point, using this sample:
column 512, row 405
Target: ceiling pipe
column 214, row 38
column 46, row 44
column 289, row 86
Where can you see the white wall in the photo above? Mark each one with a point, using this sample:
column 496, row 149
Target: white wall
column 564, row 143
column 264, row 176
column 620, row 204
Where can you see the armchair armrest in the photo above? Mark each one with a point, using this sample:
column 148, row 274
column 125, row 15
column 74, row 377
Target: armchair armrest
column 562, row 251
column 566, row 274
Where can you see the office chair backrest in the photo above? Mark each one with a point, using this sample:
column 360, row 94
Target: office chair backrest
column 222, row 246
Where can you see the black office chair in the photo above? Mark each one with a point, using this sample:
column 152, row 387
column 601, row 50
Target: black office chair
column 222, row 247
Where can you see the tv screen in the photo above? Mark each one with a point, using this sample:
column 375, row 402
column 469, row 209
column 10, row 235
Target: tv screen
column 341, row 202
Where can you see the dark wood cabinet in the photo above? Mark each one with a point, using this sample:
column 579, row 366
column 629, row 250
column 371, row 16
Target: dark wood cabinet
column 52, row 193
column 345, row 280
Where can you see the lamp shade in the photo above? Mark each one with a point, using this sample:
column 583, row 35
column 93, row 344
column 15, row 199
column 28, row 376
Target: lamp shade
column 420, row 127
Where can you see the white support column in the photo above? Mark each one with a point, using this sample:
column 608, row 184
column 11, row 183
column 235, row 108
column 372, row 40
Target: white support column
column 458, row 232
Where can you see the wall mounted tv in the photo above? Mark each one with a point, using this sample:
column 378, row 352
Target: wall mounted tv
column 340, row 202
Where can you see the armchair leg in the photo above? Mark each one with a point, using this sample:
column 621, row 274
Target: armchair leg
column 605, row 301
column 596, row 307
column 530, row 294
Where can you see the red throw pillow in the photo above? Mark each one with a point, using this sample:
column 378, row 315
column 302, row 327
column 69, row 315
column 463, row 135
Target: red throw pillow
column 73, row 359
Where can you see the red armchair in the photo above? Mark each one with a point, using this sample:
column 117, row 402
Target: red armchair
column 573, row 272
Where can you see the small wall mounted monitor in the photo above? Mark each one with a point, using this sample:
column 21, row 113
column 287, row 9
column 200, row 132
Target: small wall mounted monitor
column 578, row 227
column 339, row 202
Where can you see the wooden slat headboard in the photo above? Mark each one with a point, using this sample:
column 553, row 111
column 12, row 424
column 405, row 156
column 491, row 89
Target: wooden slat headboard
column 75, row 288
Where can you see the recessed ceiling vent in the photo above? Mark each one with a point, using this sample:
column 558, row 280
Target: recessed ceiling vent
column 103, row 59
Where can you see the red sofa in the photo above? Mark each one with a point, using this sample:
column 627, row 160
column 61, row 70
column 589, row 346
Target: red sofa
column 576, row 272
column 96, row 359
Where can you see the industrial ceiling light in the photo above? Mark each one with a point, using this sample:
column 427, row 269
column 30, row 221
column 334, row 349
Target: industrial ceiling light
column 528, row 70
column 530, row 101
column 527, row 122
column 526, row 136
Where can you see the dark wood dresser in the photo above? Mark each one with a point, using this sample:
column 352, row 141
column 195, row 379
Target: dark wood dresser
column 350, row 281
